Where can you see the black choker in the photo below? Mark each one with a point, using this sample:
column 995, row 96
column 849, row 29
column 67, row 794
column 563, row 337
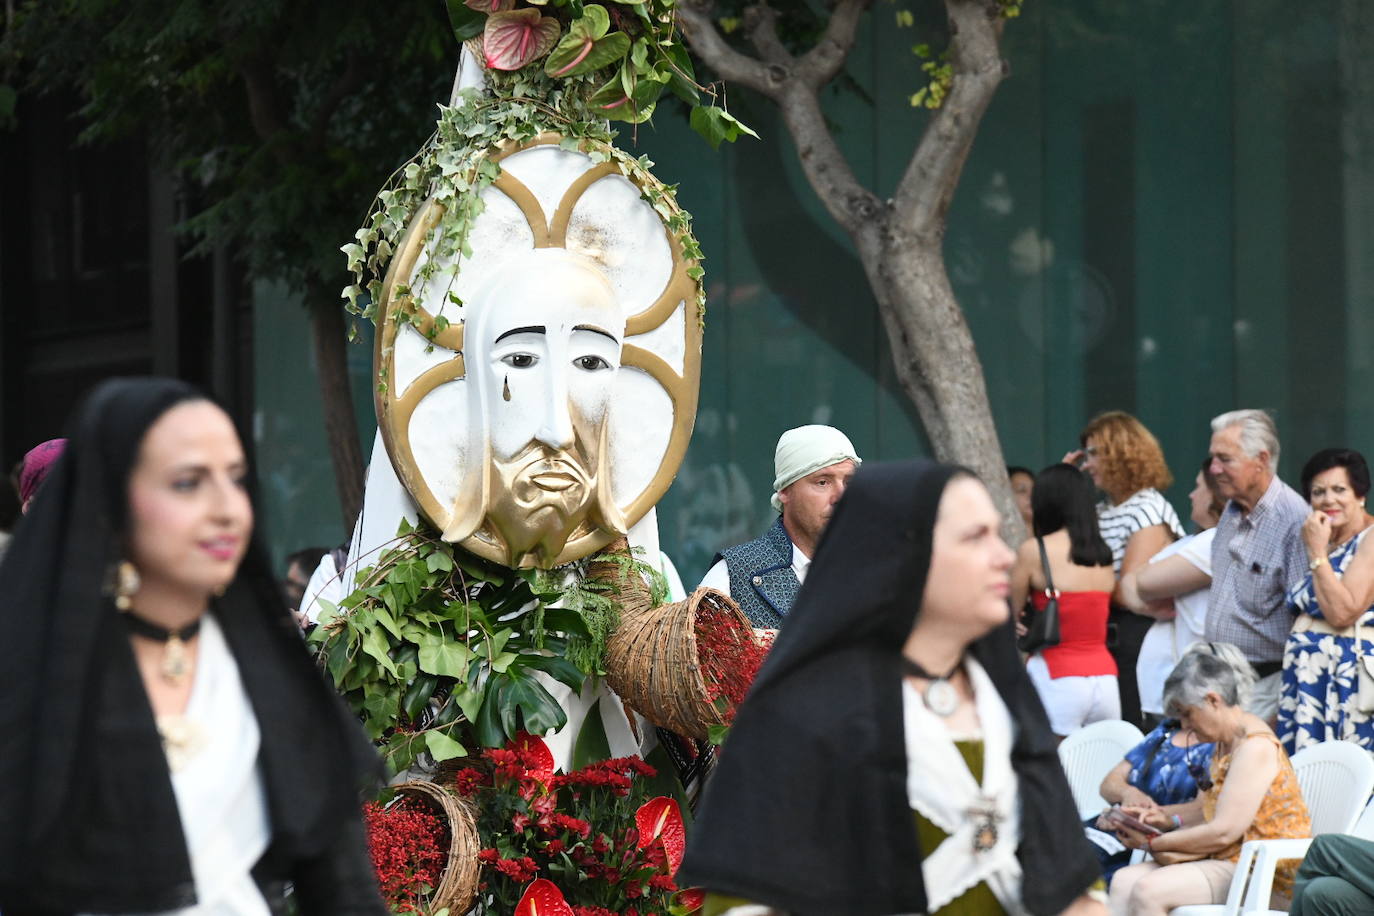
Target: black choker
column 175, row 665
column 940, row 696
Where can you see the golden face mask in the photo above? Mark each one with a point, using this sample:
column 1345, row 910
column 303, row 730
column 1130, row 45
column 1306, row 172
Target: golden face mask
column 550, row 406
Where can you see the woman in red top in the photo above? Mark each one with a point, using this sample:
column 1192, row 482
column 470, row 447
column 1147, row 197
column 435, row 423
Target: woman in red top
column 1076, row 679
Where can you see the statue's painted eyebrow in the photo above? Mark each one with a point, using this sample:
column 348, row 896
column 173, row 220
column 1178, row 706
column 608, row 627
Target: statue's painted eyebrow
column 596, row 330
column 532, row 329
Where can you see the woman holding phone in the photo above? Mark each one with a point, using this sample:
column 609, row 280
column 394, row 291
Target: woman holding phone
column 1249, row 793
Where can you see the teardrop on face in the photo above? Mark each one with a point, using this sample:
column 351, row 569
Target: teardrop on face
column 505, row 389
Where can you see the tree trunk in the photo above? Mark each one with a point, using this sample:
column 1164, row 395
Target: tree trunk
column 329, row 338
column 937, row 364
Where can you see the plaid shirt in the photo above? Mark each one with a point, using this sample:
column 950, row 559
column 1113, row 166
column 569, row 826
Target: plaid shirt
column 1256, row 558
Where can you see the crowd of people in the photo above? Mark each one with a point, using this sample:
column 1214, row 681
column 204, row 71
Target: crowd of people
column 894, row 702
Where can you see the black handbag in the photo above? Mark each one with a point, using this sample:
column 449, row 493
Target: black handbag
column 1043, row 629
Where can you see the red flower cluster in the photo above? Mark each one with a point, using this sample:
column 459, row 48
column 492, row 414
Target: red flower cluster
column 730, row 656
column 406, row 842
column 577, row 834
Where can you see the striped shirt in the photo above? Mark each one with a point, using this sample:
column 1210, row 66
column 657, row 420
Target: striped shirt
column 1256, row 558
column 1141, row 510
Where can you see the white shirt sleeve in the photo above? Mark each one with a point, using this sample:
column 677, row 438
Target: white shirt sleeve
column 717, row 577
column 325, row 583
column 1197, row 550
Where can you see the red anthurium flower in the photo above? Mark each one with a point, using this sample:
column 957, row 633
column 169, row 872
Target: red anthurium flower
column 543, row 898
column 692, row 899
column 532, row 749
column 660, row 817
column 513, row 38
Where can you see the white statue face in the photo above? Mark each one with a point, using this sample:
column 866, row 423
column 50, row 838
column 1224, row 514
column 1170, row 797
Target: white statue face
column 548, row 344
column 553, row 403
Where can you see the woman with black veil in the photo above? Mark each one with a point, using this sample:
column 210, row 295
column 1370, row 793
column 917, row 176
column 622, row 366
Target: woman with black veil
column 892, row 756
column 169, row 745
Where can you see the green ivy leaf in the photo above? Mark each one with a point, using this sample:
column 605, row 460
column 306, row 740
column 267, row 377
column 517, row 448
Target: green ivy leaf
column 717, row 124
column 439, row 561
column 444, row 658
column 375, row 645
column 441, row 747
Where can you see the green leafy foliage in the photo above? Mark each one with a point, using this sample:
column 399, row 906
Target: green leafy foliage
column 438, row 650
column 277, row 118
column 455, row 165
column 630, row 49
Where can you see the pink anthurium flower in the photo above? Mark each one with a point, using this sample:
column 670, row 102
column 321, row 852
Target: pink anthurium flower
column 513, row 38
column 490, row 6
column 542, row 898
column 660, row 817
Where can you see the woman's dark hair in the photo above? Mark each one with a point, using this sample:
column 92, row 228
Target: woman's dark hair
column 1014, row 469
column 1328, row 458
column 1063, row 498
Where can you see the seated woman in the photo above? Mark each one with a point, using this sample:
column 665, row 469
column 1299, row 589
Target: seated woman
column 1161, row 769
column 891, row 756
column 1251, row 793
column 1334, row 630
column 1076, row 680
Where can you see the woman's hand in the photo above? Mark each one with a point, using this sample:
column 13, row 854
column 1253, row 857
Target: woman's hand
column 1136, row 800
column 1074, row 457
column 1151, row 814
column 1316, row 534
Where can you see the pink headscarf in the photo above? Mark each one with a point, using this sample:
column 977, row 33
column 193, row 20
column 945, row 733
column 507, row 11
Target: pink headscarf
column 37, row 462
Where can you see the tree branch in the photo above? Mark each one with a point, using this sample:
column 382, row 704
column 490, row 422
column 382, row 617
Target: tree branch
column 701, row 33
column 761, row 25
column 924, row 194
column 343, row 87
column 823, row 63
column 853, row 206
column 264, row 104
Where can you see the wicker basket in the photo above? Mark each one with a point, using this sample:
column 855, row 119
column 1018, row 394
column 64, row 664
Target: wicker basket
column 651, row 661
column 458, row 885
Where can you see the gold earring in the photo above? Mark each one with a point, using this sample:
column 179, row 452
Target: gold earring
column 127, row 583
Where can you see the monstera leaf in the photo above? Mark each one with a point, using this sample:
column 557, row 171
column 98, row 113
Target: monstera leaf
column 587, row 47
column 513, row 38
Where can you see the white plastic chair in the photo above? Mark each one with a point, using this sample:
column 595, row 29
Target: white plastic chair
column 1336, row 779
column 1089, row 754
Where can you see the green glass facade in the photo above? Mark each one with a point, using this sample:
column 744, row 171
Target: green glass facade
column 1169, row 210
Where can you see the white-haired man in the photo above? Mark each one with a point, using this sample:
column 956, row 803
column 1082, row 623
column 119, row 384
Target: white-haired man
column 1257, row 553
column 812, row 466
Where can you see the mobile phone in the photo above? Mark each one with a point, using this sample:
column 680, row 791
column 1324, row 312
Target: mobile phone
column 1127, row 820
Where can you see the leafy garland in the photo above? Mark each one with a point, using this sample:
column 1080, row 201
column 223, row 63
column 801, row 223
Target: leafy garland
column 455, row 165
column 437, row 650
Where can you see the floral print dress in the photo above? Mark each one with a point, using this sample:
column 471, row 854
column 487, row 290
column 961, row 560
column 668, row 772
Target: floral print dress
column 1320, row 681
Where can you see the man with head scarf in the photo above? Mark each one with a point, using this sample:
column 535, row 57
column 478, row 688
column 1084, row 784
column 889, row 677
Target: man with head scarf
column 812, row 466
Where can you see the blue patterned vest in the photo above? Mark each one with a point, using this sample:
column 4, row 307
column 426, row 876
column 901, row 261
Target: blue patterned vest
column 761, row 578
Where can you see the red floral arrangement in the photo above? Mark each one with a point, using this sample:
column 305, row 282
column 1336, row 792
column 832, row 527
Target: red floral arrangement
column 730, row 656
column 585, row 843
column 406, row 842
